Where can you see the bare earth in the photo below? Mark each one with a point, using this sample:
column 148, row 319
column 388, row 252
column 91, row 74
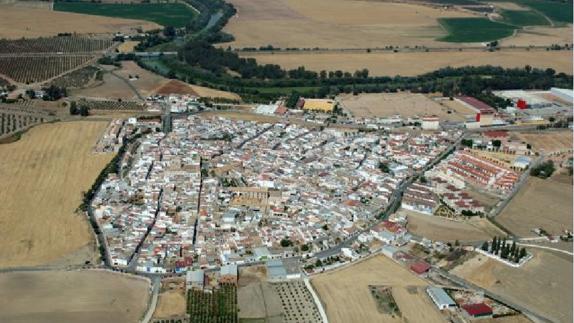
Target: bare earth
column 346, row 296
column 71, row 296
column 18, row 22
column 540, row 36
column 403, row 104
column 544, row 284
column 42, row 177
column 441, row 229
column 171, row 303
column 540, row 203
column 335, row 24
column 416, row 63
column 549, row 142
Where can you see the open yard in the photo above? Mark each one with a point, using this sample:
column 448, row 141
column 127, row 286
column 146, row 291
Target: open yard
column 165, row 14
column 442, row 229
column 72, row 296
column 335, row 23
column 17, row 22
column 544, row 284
column 404, row 104
column 549, row 142
column 42, row 177
column 415, row 63
column 346, row 297
column 540, row 203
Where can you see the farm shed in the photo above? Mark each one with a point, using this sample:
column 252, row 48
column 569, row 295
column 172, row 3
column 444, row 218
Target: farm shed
column 478, row 310
column 440, row 298
column 420, row 267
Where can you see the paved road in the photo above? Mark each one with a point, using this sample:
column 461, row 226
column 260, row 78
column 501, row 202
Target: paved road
column 155, row 285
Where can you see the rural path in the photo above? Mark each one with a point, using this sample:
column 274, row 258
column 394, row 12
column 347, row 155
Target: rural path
column 545, row 247
column 156, row 284
column 129, row 84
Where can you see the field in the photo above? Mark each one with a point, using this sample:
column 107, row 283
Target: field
column 42, row 177
column 17, row 22
column 474, row 30
column 524, row 18
column 346, row 297
column 32, row 69
column 78, row 78
column 544, row 284
column 53, row 44
column 416, row 63
column 540, row 203
column 171, row 303
column 335, row 24
column 127, row 46
column 218, row 306
column 166, row 14
column 71, row 296
column 540, row 36
column 18, row 118
column 256, row 298
column 559, row 12
column 404, row 104
column 440, row 229
column 549, row 142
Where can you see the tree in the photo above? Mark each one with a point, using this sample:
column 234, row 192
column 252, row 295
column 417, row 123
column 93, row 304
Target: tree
column 285, row 242
column 496, row 143
column 493, row 245
column 84, row 111
column 169, row 31
column 74, row 109
column 484, row 246
column 318, row 263
column 522, row 254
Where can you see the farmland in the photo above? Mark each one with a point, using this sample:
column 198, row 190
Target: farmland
column 78, row 78
column 335, row 24
column 218, row 306
column 541, row 203
column 415, row 63
column 257, row 300
column 559, row 12
column 403, row 104
column 524, row 18
column 17, row 22
column 53, row 45
column 549, row 142
column 39, row 223
column 14, row 119
column 72, row 296
column 32, row 69
column 544, row 284
column 474, row 30
column 166, row 14
column 346, row 297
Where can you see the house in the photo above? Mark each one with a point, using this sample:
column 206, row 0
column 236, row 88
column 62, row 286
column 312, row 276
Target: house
column 440, row 298
column 478, row 310
column 420, row 267
column 430, row 123
column 195, row 279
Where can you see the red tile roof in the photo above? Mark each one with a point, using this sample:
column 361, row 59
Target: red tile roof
column 420, row 267
column 478, row 309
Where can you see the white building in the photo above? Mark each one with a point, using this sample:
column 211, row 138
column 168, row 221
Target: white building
column 440, row 298
column 430, row 123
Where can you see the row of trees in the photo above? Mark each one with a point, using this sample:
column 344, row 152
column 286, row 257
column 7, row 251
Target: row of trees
column 501, row 248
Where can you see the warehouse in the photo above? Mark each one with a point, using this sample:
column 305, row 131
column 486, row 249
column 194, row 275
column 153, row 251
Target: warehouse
column 440, row 298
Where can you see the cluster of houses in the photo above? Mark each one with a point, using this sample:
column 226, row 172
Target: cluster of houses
column 216, row 191
column 113, row 137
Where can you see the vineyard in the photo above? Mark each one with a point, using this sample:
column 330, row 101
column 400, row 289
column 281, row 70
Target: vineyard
column 111, row 105
column 218, row 306
column 54, row 45
column 31, row 69
column 76, row 79
column 13, row 119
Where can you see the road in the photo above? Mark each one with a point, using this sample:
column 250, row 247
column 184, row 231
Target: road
column 155, row 286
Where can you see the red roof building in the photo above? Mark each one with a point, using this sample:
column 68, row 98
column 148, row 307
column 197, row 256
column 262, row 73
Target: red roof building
column 420, row 267
column 478, row 310
column 478, row 105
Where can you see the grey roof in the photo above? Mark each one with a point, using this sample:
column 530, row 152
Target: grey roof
column 228, row 270
column 276, row 269
column 261, row 252
column 440, row 296
column 195, row 276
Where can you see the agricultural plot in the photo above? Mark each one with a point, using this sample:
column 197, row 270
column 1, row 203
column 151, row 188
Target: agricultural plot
column 42, row 177
column 76, row 79
column 549, row 142
column 18, row 22
column 32, row 69
column 72, row 296
column 297, row 302
column 372, row 105
column 13, row 119
column 543, row 284
column 165, row 14
column 559, row 12
column 437, row 228
column 346, row 296
column 524, row 18
column 219, row 305
column 53, row 45
column 474, row 30
column 111, row 105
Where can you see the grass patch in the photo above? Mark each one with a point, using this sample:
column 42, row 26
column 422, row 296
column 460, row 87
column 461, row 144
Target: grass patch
column 524, row 18
column 165, row 14
column 474, row 30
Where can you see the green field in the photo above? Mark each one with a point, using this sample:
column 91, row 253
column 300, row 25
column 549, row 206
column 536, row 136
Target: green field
column 524, row 18
column 474, row 30
column 165, row 14
column 559, row 12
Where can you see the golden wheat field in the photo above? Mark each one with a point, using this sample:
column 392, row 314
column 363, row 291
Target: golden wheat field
column 42, row 177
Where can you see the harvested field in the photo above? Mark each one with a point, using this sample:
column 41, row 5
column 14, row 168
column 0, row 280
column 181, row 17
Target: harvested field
column 549, row 142
column 17, row 22
column 38, row 223
column 540, row 203
column 441, row 229
column 72, row 296
column 389, row 104
column 544, row 284
column 175, row 87
column 335, row 24
column 171, row 303
column 346, row 297
column 416, row 63
column 540, row 36
column 127, row 46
